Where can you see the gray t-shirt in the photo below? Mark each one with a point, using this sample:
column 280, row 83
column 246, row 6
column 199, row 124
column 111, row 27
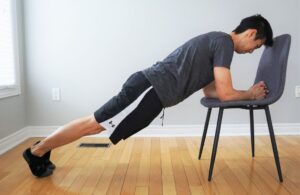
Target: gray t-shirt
column 190, row 67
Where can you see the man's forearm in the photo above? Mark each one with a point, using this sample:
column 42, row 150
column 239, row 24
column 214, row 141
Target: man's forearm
column 236, row 95
column 211, row 92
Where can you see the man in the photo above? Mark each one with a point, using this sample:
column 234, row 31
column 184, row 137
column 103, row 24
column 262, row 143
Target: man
column 202, row 62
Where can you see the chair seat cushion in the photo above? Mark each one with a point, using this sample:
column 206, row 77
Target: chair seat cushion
column 214, row 102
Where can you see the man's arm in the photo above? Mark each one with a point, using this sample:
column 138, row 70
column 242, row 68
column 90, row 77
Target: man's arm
column 222, row 88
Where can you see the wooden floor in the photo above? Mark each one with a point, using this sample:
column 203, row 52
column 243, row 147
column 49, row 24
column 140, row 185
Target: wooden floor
column 158, row 166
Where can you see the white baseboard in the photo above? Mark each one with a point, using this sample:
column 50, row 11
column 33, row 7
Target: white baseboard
column 159, row 131
column 13, row 140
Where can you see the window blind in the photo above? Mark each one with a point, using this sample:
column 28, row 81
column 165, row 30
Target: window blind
column 7, row 58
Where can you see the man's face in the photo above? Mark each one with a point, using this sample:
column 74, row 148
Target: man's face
column 248, row 43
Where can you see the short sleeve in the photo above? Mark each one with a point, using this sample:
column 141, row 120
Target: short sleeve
column 222, row 49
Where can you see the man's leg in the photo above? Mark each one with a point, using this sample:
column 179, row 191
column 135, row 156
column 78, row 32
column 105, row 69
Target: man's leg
column 67, row 134
column 35, row 156
column 135, row 85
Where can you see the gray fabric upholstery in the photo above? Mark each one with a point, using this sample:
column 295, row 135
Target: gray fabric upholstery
column 271, row 70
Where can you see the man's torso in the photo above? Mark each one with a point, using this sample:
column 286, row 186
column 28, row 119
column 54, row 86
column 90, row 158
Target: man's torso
column 190, row 67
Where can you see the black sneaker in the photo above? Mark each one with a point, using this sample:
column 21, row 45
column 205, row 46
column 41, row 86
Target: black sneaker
column 36, row 164
column 46, row 157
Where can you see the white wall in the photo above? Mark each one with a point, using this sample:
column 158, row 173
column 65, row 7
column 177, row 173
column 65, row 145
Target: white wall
column 89, row 48
column 12, row 109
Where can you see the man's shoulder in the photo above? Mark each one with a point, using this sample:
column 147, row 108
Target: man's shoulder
column 211, row 37
column 218, row 35
column 214, row 35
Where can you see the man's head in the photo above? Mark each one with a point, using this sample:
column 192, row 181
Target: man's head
column 252, row 33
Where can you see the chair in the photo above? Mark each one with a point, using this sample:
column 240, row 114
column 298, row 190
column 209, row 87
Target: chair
column 272, row 70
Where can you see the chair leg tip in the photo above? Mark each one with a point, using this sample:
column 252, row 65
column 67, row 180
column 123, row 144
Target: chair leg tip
column 281, row 180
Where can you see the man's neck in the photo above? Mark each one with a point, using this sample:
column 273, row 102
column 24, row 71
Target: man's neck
column 235, row 38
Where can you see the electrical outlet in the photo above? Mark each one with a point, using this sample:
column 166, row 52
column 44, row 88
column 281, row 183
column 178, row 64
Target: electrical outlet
column 297, row 91
column 55, row 94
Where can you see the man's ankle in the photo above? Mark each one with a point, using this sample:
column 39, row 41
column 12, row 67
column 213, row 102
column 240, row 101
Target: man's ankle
column 36, row 152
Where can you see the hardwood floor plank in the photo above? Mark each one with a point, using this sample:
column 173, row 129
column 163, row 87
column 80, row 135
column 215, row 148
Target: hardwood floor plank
column 144, row 169
column 197, row 190
column 201, row 166
column 243, row 179
column 133, row 168
column 141, row 190
column 181, row 182
column 166, row 167
column 155, row 182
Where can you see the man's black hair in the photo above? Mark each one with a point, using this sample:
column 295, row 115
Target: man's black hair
column 263, row 27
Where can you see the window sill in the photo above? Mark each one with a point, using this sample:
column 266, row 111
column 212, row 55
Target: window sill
column 9, row 92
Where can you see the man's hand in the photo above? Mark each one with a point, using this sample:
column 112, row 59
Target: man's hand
column 258, row 91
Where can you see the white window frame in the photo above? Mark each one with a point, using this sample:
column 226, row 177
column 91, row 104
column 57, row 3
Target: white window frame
column 13, row 90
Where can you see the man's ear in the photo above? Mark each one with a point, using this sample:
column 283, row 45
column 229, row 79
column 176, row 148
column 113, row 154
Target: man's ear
column 252, row 33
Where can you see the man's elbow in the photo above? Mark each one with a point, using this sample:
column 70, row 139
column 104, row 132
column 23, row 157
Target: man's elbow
column 223, row 97
column 205, row 92
column 210, row 94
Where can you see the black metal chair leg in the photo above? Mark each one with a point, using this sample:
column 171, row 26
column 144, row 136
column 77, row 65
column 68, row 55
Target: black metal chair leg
column 252, row 131
column 214, row 151
column 204, row 132
column 273, row 141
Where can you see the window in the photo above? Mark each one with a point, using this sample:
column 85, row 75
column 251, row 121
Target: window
column 9, row 62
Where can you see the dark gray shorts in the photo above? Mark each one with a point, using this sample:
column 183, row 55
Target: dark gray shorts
column 132, row 109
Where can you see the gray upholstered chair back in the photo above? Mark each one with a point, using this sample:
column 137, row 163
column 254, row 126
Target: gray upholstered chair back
column 272, row 67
